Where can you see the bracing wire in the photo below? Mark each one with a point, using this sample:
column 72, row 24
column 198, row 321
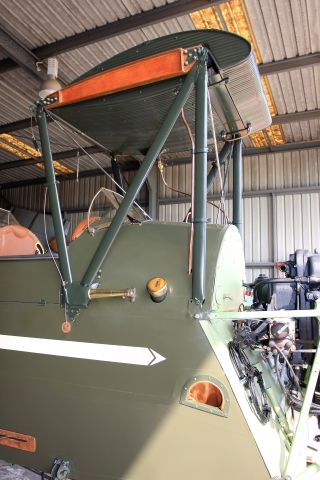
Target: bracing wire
column 160, row 165
column 226, row 169
column 161, row 169
column 95, row 162
column 191, row 234
column 215, row 144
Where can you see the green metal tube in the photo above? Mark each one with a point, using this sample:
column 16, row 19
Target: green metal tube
column 297, row 454
column 117, row 175
column 237, row 185
column 141, row 176
column 53, row 194
column 281, row 418
column 223, row 155
column 200, row 188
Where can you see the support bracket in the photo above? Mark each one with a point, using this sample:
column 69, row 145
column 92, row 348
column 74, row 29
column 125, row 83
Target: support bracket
column 60, row 469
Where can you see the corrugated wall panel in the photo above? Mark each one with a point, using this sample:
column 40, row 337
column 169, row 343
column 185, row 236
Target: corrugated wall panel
column 264, row 172
column 297, row 223
column 257, row 227
column 257, row 219
column 280, row 214
column 276, row 221
column 73, row 194
column 252, row 273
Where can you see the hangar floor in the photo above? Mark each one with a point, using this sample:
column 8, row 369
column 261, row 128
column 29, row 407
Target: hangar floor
column 14, row 472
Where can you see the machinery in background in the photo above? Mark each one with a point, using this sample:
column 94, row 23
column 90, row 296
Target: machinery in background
column 288, row 344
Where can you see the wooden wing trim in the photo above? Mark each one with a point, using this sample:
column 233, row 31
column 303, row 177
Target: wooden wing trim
column 19, row 441
column 162, row 66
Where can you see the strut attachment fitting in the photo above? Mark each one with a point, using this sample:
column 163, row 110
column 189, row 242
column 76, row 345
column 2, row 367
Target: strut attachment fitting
column 60, row 469
column 97, row 293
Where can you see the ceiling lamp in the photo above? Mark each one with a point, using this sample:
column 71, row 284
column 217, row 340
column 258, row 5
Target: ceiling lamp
column 51, row 84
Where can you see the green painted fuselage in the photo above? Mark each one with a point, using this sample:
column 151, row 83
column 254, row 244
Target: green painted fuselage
column 122, row 421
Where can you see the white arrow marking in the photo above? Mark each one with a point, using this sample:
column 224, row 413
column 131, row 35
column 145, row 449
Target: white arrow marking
column 89, row 351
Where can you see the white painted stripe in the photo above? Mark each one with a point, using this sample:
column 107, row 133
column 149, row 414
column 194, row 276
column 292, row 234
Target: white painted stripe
column 88, row 351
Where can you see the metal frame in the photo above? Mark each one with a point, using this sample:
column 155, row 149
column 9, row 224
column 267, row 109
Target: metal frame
column 21, row 55
column 277, row 119
column 289, row 64
column 296, row 117
column 152, row 185
column 129, row 167
column 299, row 443
column 247, row 152
column 109, row 30
column 53, row 195
column 140, row 176
column 223, row 155
column 140, row 20
column 55, row 156
column 200, row 186
column 76, row 293
column 286, row 147
column 246, row 194
column 237, row 186
column 117, row 175
column 299, row 439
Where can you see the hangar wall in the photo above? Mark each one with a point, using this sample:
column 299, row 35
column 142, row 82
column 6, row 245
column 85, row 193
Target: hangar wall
column 75, row 197
column 281, row 203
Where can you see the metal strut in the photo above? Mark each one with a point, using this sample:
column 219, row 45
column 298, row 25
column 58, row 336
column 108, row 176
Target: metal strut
column 53, row 194
column 200, row 185
column 140, row 177
column 77, row 292
column 223, row 155
column 237, row 186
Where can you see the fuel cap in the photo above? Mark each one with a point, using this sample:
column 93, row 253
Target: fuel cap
column 157, row 288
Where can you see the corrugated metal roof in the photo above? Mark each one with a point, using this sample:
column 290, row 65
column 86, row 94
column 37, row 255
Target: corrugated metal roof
column 79, row 61
column 282, row 28
column 297, row 90
column 18, row 91
column 124, row 115
column 36, row 23
column 285, row 28
column 307, row 130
